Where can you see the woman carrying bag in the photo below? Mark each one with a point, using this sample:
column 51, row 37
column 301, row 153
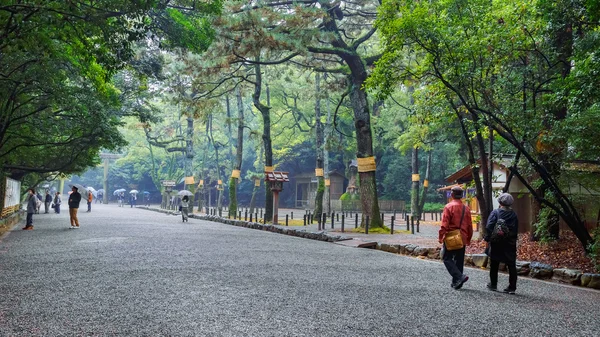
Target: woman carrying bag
column 456, row 233
column 501, row 234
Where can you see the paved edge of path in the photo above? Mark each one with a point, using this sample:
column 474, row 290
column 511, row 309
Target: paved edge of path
column 430, row 254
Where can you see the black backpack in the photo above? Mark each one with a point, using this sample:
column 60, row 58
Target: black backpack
column 501, row 231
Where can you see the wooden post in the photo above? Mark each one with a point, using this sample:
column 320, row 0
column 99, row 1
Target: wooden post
column 275, row 207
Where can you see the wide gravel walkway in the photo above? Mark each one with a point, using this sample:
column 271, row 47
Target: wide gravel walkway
column 130, row 272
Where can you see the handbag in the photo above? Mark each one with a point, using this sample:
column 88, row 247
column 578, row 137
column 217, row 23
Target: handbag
column 180, row 208
column 453, row 239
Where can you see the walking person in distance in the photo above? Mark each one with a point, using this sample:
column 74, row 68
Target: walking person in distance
column 455, row 234
column 89, row 201
column 57, row 202
column 74, row 200
column 184, row 207
column 32, row 201
column 501, row 234
column 47, row 202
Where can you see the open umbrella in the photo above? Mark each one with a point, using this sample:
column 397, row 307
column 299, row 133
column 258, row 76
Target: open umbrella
column 92, row 190
column 101, row 190
column 184, row 192
column 82, row 190
column 120, row 190
column 133, row 192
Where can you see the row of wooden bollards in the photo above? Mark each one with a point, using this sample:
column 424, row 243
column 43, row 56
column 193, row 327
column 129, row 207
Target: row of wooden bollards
column 309, row 218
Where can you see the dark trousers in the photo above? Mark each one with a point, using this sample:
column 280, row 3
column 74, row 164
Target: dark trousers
column 454, row 261
column 29, row 221
column 512, row 273
column 89, row 206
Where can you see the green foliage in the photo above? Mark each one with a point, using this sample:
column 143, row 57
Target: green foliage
column 594, row 248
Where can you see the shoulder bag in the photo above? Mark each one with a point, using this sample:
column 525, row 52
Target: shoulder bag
column 453, row 239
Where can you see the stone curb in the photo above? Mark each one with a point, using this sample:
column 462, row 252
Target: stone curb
column 524, row 268
column 320, row 236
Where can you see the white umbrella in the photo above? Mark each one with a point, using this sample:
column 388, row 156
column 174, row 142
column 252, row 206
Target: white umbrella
column 101, row 190
column 184, row 192
column 93, row 190
column 82, row 190
column 120, row 190
column 133, row 192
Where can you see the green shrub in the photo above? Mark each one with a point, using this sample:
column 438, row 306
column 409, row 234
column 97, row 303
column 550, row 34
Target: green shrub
column 594, row 248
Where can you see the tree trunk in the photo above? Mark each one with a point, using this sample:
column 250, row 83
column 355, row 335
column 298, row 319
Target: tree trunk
column 255, row 189
column 484, row 212
column 238, row 154
column 327, row 195
column 217, row 162
column 425, row 182
column 364, row 147
column 189, row 157
column 414, row 192
column 319, row 142
column 265, row 112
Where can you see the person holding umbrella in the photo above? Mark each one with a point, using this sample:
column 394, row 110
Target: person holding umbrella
column 89, row 200
column 133, row 198
column 184, row 208
column 74, row 200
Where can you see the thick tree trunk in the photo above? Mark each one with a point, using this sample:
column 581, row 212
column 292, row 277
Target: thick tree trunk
column 265, row 112
column 238, row 154
column 319, row 142
column 425, row 182
column 364, row 147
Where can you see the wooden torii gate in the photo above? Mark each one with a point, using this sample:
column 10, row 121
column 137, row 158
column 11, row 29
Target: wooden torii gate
column 106, row 157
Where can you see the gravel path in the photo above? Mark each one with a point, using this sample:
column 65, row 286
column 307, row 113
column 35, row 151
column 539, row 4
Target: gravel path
column 130, row 272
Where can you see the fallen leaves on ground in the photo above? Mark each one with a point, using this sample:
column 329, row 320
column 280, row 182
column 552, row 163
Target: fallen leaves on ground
column 567, row 252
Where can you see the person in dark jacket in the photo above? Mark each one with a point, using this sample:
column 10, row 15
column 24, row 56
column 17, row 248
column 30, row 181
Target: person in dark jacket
column 503, row 250
column 74, row 200
column 32, row 201
column 57, row 202
column 47, row 202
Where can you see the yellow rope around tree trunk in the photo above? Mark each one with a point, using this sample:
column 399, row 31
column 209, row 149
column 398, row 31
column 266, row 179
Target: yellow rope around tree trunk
column 235, row 174
column 269, row 168
column 366, row 164
column 319, row 172
column 416, row 177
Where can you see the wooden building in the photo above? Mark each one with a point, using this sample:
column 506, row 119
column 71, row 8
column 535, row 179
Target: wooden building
column 306, row 188
column 523, row 204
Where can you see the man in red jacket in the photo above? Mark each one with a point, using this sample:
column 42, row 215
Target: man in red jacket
column 456, row 216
